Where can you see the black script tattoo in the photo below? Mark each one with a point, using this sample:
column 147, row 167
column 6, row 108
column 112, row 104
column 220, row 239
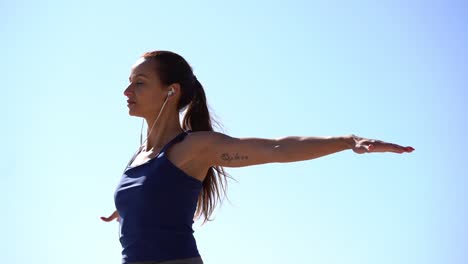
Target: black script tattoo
column 229, row 158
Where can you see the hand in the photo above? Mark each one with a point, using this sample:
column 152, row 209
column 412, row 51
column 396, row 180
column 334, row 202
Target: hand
column 114, row 215
column 364, row 145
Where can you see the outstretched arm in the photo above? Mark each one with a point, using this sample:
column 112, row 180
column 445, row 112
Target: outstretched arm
column 226, row 151
column 293, row 148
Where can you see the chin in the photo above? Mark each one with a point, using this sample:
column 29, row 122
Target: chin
column 130, row 113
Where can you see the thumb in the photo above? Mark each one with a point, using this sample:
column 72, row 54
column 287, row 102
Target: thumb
column 367, row 148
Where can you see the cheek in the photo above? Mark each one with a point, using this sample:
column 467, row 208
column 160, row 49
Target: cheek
column 149, row 103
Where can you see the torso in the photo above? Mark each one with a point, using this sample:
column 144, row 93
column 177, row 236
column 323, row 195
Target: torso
column 181, row 154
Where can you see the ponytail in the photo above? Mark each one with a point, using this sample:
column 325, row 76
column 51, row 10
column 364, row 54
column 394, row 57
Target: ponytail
column 197, row 118
column 173, row 68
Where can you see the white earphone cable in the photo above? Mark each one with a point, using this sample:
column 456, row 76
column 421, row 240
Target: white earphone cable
column 141, row 143
column 160, row 111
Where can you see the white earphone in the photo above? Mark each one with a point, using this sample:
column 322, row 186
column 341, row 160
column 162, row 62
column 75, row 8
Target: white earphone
column 171, row 92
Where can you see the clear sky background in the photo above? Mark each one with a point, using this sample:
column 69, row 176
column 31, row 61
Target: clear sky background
column 389, row 70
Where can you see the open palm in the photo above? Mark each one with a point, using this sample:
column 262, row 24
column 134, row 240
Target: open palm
column 366, row 145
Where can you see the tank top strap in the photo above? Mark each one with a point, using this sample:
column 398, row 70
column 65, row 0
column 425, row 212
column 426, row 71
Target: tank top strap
column 176, row 139
column 171, row 142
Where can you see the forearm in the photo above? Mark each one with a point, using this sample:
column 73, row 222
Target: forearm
column 290, row 149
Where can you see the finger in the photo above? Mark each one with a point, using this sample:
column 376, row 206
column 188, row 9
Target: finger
column 404, row 149
column 408, row 148
column 396, row 148
column 106, row 219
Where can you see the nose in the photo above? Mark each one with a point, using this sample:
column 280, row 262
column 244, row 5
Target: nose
column 128, row 92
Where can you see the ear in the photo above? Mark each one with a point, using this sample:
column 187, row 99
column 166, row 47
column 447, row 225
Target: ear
column 176, row 87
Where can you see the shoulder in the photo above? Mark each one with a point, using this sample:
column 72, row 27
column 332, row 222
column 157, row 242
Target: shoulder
column 205, row 143
column 201, row 144
column 203, row 139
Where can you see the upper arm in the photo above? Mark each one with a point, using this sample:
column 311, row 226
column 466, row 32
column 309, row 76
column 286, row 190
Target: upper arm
column 218, row 149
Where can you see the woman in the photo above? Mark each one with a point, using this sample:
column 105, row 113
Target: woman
column 177, row 171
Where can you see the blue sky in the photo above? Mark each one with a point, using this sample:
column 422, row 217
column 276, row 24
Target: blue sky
column 388, row 70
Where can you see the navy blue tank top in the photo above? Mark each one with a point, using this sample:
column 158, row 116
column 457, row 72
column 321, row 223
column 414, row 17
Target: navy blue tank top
column 156, row 202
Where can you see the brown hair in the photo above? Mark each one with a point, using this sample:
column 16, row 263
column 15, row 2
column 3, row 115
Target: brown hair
column 173, row 68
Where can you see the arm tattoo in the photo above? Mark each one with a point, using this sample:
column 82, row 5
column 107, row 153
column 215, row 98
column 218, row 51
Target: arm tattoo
column 229, row 158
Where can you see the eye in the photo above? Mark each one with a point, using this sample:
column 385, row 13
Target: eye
column 139, row 83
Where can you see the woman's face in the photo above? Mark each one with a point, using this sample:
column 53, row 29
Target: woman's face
column 145, row 92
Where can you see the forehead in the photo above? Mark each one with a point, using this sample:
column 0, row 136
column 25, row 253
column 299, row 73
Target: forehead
column 142, row 66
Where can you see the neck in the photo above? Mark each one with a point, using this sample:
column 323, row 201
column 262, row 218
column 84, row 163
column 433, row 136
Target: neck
column 165, row 129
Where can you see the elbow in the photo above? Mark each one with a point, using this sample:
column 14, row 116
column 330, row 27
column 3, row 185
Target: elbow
column 280, row 154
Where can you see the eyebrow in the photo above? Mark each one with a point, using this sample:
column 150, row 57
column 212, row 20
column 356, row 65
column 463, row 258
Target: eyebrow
column 142, row 75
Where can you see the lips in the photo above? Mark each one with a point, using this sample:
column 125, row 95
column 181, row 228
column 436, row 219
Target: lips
column 130, row 102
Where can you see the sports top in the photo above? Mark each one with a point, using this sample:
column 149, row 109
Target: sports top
column 156, row 202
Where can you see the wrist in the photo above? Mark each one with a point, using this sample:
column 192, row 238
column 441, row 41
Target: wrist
column 348, row 141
